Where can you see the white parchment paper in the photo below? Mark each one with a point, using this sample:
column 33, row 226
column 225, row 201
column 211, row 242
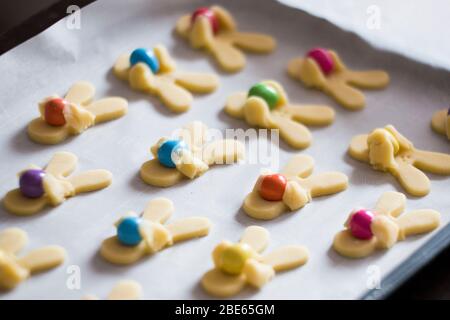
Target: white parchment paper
column 56, row 58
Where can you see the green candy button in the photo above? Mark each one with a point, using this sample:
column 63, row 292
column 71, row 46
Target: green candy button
column 265, row 92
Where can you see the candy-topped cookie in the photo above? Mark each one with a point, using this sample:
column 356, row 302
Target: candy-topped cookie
column 291, row 189
column 441, row 122
column 53, row 185
column 71, row 115
column 215, row 30
column 154, row 72
column 123, row 290
column 389, row 151
column 188, row 155
column 15, row 269
column 146, row 234
column 367, row 230
column 239, row 264
column 323, row 69
column 266, row 105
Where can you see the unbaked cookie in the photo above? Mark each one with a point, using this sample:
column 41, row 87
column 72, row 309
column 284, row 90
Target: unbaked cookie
column 138, row 236
column 380, row 228
column 15, row 269
column 441, row 122
column 52, row 185
column 215, row 30
column 188, row 155
column 291, row 189
column 323, row 69
column 71, row 115
column 389, row 151
column 239, row 264
column 123, row 290
column 154, row 72
column 266, row 105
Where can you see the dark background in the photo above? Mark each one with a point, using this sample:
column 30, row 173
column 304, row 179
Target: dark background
column 22, row 19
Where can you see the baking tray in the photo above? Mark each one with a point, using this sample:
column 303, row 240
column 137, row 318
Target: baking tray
column 53, row 60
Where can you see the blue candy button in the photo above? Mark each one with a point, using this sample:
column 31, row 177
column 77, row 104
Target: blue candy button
column 128, row 231
column 166, row 150
column 145, row 56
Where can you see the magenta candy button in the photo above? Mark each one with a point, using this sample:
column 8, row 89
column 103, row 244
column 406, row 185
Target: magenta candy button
column 359, row 224
column 323, row 59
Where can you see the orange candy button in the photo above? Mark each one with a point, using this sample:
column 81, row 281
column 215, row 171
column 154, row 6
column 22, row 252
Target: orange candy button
column 54, row 114
column 272, row 187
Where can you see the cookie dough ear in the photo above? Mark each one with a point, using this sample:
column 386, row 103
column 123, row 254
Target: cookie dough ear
column 166, row 62
column 287, row 257
column 81, row 93
column 62, row 164
column 43, row 259
column 391, row 203
column 108, row 108
column 418, row 222
column 256, row 237
column 299, row 166
column 126, row 290
column 223, row 152
column 412, row 179
column 158, row 210
column 374, row 79
column 338, row 64
column 12, row 240
column 90, row 180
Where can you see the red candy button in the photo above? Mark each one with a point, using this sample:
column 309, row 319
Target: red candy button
column 53, row 114
column 323, row 59
column 208, row 13
column 272, row 187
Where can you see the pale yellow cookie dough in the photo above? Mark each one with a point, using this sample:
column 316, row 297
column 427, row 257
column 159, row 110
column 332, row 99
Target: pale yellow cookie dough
column 80, row 113
column 340, row 83
column 387, row 150
column 237, row 265
column 226, row 45
column 171, row 86
column 123, row 290
column 193, row 162
column 441, row 122
column 59, row 185
column 156, row 233
column 388, row 227
column 289, row 119
column 301, row 188
column 15, row 269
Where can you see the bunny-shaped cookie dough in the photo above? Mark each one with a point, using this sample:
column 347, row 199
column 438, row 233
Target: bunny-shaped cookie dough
column 381, row 228
column 215, row 30
column 291, row 189
column 15, row 269
column 324, row 70
column 189, row 155
column 75, row 113
column 387, row 150
column 266, row 106
column 52, row 185
column 138, row 236
column 236, row 265
column 441, row 122
column 155, row 73
column 123, row 290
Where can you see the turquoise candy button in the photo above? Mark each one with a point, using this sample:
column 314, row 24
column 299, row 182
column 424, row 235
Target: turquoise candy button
column 166, row 151
column 128, row 231
column 267, row 93
column 145, row 56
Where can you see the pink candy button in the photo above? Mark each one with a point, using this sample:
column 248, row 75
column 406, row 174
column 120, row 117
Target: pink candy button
column 359, row 224
column 323, row 59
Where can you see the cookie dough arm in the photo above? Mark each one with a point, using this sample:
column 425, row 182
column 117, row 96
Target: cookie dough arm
column 325, row 183
column 434, row 162
column 188, row 228
column 81, row 93
column 295, row 134
column 43, row 259
column 418, row 222
column 196, row 81
column 223, row 152
column 158, row 210
column 256, row 237
column 312, row 115
column 229, row 58
column 126, row 290
column 391, row 203
column 299, row 166
column 253, row 42
column 90, row 180
column 62, row 164
column 287, row 257
column 176, row 98
column 12, row 240
column 108, row 108
column 374, row 79
column 412, row 179
column 345, row 95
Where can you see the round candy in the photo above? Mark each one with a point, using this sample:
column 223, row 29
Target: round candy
column 31, row 184
column 272, row 187
column 448, row 112
column 234, row 257
column 208, row 13
column 128, row 231
column 323, row 59
column 54, row 112
column 359, row 224
column 145, row 56
column 166, row 152
column 267, row 93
